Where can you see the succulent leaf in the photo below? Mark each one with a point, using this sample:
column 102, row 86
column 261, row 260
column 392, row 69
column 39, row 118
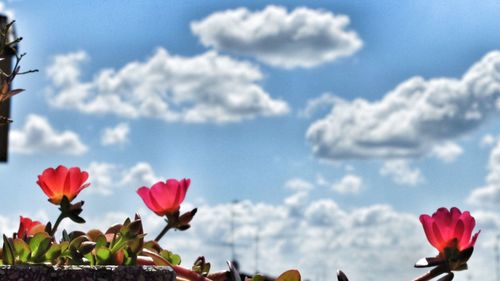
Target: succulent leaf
column 290, row 275
column 21, row 249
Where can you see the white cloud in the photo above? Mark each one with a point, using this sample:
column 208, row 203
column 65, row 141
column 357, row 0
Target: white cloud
column 115, row 135
column 411, row 119
column 365, row 242
column 38, row 136
column 488, row 140
column 489, row 195
column 401, row 172
column 322, row 237
column 299, row 184
column 200, row 89
column 301, row 38
column 447, row 152
column 316, row 104
column 106, row 177
column 348, row 184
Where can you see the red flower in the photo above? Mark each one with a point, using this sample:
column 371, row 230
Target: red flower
column 165, row 197
column 62, row 181
column 29, row 227
column 449, row 229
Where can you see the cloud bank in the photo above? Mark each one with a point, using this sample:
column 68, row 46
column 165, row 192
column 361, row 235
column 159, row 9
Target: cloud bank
column 300, row 38
column 208, row 88
column 411, row 119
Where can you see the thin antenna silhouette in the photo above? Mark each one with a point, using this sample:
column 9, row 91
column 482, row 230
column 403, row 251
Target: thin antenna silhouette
column 232, row 242
column 497, row 258
column 256, row 251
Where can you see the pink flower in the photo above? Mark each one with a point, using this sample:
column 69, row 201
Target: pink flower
column 29, row 227
column 62, row 181
column 165, row 197
column 449, row 229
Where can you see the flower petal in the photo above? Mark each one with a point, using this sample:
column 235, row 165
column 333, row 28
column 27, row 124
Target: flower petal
column 474, row 238
column 458, row 234
column 145, row 194
column 55, row 178
column 427, row 221
column 441, row 243
column 469, row 224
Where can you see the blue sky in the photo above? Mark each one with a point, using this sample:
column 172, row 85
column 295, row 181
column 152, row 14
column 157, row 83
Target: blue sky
column 334, row 119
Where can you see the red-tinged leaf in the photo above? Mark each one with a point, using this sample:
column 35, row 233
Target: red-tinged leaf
column 290, row 275
column 157, row 259
column 93, row 234
column 145, row 260
column 114, row 229
column 119, row 257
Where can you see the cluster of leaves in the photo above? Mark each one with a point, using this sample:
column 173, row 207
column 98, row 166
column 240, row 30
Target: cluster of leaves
column 8, row 46
column 121, row 244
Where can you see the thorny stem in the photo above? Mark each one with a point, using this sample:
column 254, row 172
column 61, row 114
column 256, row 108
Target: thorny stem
column 163, row 232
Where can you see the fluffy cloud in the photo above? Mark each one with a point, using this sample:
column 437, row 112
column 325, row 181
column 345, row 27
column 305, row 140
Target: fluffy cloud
column 115, row 135
column 314, row 105
column 301, row 38
column 488, row 140
column 447, row 152
column 322, row 237
column 489, row 195
column 411, row 119
column 38, row 136
column 366, row 242
column 299, row 184
column 401, row 172
column 200, row 89
column 348, row 184
column 107, row 177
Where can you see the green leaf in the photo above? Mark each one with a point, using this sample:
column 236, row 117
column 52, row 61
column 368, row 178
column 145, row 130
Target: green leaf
column 8, row 252
column 75, row 243
column 290, row 275
column 118, row 244
column 102, row 255
column 152, row 245
column 21, row 249
column 39, row 244
column 172, row 258
column 53, row 252
column 91, row 258
column 64, row 246
column 100, row 241
column 65, row 236
column 258, row 277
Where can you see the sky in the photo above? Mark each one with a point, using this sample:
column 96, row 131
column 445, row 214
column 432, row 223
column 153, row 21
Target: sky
column 322, row 129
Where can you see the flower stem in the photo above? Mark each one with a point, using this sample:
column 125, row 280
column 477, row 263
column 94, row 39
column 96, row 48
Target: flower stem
column 162, row 233
column 58, row 221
